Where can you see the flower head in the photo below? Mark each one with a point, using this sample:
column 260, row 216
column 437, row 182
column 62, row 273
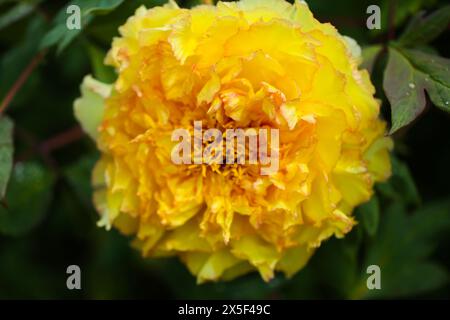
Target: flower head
column 246, row 64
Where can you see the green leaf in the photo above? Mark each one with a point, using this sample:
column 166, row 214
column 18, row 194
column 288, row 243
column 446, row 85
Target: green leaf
column 100, row 6
column 403, row 10
column 101, row 71
column 415, row 278
column 89, row 107
column 433, row 75
column 431, row 220
column 402, row 249
column 27, row 199
column 406, row 99
column 19, row 11
column 370, row 55
column 6, row 153
column 78, row 176
column 400, row 187
column 404, row 182
column 424, row 30
column 370, row 215
column 14, row 61
column 336, row 265
column 408, row 74
column 61, row 36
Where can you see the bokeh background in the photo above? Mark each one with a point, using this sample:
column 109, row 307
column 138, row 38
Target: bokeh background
column 47, row 221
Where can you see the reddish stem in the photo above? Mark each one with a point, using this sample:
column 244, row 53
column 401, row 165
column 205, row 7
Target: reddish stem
column 62, row 139
column 44, row 149
column 21, row 81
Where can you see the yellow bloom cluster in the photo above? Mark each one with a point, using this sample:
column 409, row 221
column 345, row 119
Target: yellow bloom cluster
column 246, row 64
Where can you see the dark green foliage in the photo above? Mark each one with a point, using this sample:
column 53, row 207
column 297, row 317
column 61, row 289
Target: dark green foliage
column 28, row 198
column 409, row 73
column 47, row 219
column 6, row 153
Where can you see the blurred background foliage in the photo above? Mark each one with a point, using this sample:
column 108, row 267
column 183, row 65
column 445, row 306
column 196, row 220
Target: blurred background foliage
column 47, row 221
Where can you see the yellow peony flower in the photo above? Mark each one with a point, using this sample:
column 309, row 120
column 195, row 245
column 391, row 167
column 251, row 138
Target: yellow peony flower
column 246, row 64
